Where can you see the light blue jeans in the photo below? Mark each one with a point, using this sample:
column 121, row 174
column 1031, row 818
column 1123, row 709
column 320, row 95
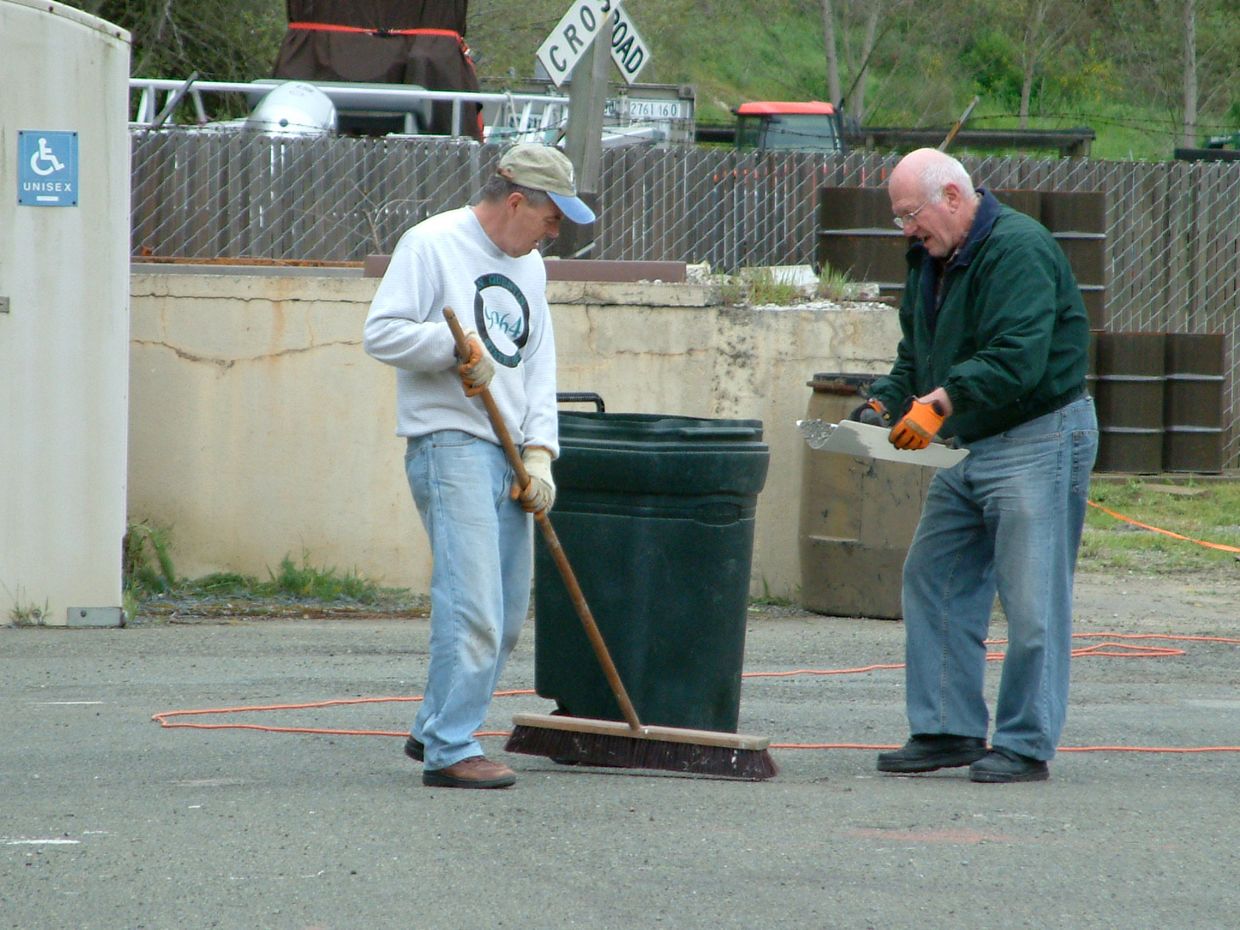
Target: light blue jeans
column 482, row 551
column 1006, row 519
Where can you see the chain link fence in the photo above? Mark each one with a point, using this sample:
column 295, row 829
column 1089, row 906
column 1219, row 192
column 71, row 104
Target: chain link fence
column 1173, row 241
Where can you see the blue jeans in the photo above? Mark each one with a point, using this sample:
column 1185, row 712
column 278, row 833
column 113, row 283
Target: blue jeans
column 1006, row 519
column 482, row 560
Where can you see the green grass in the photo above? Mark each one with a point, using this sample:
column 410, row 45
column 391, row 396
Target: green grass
column 27, row 613
column 146, row 560
column 1122, row 132
column 1207, row 511
column 835, row 285
column 767, row 599
column 151, row 584
column 760, row 287
column 1202, row 510
column 318, row 584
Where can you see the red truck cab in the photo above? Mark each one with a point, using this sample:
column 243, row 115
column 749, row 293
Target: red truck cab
column 802, row 126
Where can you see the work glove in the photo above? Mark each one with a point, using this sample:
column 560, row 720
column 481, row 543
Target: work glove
column 871, row 413
column 918, row 427
column 476, row 369
column 539, row 494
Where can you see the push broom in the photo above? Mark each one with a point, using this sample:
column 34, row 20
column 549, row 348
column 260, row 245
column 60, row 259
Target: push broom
column 628, row 744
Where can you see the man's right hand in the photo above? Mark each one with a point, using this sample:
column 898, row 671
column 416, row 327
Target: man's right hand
column 476, row 369
column 871, row 413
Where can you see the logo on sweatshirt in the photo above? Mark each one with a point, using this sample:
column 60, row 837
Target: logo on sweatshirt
column 501, row 317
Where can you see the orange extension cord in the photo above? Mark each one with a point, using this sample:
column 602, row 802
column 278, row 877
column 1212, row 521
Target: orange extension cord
column 1109, row 648
column 1112, row 645
column 1221, row 547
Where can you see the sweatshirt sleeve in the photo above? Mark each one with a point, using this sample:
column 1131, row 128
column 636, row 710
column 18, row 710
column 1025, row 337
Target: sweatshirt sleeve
column 541, row 425
column 404, row 327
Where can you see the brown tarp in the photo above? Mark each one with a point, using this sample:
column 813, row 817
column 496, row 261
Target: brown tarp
column 382, row 53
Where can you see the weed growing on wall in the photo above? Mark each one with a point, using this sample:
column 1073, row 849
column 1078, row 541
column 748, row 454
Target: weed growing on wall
column 24, row 613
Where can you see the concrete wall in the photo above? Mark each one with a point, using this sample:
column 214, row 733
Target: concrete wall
column 64, row 315
column 259, row 428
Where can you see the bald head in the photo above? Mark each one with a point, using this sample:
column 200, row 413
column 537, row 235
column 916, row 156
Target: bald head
column 930, row 170
column 933, row 193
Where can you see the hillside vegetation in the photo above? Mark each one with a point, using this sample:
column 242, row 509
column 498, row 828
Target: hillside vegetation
column 1115, row 67
column 1118, row 68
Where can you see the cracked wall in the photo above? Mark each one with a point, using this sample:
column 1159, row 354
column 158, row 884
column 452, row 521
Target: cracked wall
column 259, row 428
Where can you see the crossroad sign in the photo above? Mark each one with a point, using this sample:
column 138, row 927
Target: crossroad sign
column 571, row 37
column 628, row 50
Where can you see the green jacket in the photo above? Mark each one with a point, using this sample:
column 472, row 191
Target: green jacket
column 1007, row 338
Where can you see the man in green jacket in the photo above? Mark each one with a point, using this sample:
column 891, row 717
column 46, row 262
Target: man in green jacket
column 993, row 357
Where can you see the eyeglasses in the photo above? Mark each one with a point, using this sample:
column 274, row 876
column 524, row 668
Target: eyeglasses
column 902, row 220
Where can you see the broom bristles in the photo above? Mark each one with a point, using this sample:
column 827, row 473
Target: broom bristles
column 632, row 751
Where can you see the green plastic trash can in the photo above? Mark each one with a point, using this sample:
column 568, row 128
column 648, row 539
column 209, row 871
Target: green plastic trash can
column 656, row 516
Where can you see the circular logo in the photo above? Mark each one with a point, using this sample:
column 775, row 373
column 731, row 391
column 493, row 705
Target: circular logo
column 502, row 317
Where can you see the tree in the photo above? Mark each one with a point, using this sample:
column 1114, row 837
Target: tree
column 223, row 40
column 834, row 91
column 1044, row 26
column 1189, row 138
column 852, row 32
column 1182, row 56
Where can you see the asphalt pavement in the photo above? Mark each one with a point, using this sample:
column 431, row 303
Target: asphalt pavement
column 108, row 820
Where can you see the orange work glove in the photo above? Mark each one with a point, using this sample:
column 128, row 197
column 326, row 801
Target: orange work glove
column 476, row 369
column 918, row 427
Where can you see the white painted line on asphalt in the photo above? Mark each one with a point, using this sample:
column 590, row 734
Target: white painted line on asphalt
column 63, row 703
column 55, row 842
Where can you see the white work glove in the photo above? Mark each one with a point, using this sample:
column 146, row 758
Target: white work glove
column 476, row 369
column 539, row 494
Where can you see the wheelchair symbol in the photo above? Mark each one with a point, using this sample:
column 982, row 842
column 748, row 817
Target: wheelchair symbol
column 46, row 158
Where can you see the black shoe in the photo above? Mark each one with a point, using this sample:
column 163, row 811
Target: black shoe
column 925, row 752
column 1003, row 765
column 414, row 749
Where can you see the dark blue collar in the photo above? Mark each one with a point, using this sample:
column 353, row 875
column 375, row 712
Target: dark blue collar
column 983, row 222
column 931, row 270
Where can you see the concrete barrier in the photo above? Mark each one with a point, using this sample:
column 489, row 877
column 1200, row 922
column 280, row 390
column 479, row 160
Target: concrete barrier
column 259, row 428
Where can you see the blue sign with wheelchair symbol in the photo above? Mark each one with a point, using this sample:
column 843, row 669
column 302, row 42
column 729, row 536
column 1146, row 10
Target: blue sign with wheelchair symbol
column 47, row 168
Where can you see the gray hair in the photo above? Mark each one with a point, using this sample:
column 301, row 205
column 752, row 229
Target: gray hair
column 498, row 188
column 939, row 172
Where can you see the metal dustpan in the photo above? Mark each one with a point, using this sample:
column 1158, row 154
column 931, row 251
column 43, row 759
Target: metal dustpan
column 860, row 439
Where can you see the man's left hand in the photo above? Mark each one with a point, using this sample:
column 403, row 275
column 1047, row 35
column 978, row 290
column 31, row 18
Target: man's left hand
column 918, row 427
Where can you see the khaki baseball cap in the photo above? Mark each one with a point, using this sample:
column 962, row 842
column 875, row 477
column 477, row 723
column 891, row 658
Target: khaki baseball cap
column 546, row 168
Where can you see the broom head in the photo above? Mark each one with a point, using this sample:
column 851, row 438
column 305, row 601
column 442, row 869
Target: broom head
column 613, row 743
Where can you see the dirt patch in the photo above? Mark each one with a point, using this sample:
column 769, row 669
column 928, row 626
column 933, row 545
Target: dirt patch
column 187, row 609
column 1197, row 602
column 1206, row 603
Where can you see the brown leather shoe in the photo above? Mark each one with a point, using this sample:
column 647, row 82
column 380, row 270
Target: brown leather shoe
column 474, row 772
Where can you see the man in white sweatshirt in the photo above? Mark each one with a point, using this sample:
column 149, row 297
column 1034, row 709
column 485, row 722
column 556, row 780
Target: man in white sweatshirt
column 482, row 261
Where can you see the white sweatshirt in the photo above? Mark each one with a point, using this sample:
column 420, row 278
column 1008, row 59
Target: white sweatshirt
column 448, row 260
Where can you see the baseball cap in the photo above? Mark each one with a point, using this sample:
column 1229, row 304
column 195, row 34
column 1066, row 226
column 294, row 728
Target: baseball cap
column 546, row 168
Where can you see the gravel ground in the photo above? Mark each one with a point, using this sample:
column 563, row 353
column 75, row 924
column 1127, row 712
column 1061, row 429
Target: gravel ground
column 109, row 821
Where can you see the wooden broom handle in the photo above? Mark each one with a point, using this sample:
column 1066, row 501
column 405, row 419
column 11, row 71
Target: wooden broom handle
column 553, row 541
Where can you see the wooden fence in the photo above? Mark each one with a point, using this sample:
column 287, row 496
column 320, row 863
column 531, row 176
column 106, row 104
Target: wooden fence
column 1173, row 239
